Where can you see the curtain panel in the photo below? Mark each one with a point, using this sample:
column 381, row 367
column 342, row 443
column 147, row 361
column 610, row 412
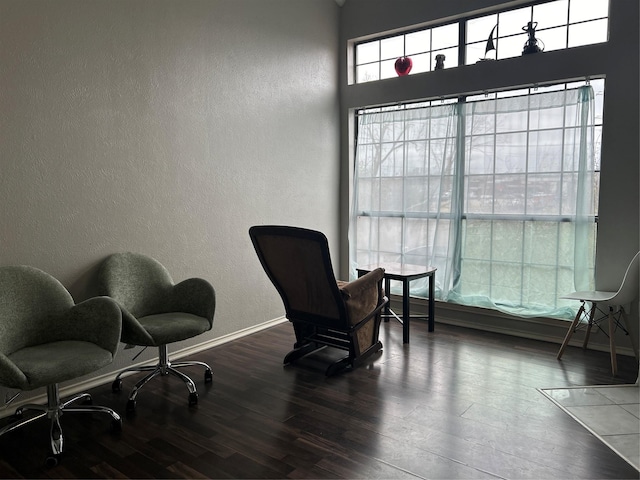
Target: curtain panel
column 499, row 195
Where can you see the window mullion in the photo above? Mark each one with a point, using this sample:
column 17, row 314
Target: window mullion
column 462, row 42
column 403, row 239
column 526, row 197
column 493, row 194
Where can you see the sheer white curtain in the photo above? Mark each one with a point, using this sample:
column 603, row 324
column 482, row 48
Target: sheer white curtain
column 405, row 191
column 500, row 195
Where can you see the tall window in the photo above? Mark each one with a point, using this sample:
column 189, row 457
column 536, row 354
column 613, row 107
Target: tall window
column 500, row 194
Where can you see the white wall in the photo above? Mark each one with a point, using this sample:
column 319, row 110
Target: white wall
column 167, row 127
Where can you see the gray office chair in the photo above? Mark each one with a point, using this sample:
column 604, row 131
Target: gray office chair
column 46, row 339
column 155, row 313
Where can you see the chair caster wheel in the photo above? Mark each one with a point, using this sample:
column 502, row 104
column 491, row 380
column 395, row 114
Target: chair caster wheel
column 131, row 406
column 116, row 386
column 52, row 460
column 116, row 425
column 193, row 399
column 208, row 376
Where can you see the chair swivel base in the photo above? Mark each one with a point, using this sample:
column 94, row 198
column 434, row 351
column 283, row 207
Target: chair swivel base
column 53, row 410
column 163, row 367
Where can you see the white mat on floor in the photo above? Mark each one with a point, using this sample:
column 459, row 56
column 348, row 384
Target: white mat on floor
column 610, row 412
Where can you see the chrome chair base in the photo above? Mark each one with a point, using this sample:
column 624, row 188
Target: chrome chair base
column 54, row 410
column 163, row 367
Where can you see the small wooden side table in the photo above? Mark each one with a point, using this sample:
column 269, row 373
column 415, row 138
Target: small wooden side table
column 404, row 274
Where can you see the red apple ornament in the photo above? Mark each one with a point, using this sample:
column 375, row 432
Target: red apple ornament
column 403, row 66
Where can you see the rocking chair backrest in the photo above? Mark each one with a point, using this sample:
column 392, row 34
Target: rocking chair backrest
column 298, row 263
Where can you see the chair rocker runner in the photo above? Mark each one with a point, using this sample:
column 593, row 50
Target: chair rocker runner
column 607, row 306
column 47, row 339
column 155, row 313
column 323, row 311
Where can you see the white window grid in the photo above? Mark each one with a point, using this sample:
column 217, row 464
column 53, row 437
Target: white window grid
column 421, row 219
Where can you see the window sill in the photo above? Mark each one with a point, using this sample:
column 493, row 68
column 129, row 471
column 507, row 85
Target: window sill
column 538, row 328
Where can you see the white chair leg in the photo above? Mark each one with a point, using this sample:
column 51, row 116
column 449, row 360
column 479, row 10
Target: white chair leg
column 573, row 326
column 632, row 336
column 612, row 342
column 592, row 313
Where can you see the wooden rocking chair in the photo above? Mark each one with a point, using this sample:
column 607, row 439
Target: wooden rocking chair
column 324, row 311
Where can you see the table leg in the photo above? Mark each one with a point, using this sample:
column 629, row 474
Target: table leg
column 431, row 305
column 387, row 292
column 405, row 311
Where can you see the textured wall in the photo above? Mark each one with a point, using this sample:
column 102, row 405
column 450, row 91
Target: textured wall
column 167, row 127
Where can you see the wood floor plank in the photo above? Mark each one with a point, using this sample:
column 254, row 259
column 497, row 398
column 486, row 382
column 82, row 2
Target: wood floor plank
column 454, row 403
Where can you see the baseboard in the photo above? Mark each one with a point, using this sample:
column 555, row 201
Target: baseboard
column 88, row 384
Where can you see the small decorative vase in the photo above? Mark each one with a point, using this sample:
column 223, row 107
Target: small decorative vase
column 532, row 43
column 403, row 66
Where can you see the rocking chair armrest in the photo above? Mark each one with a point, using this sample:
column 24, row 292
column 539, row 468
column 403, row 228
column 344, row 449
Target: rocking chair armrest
column 363, row 284
column 363, row 296
column 383, row 301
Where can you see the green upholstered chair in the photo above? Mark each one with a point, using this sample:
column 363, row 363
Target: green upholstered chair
column 156, row 312
column 46, row 339
column 323, row 310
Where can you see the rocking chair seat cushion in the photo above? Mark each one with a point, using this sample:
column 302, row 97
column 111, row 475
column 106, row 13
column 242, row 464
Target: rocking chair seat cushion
column 56, row 362
column 165, row 328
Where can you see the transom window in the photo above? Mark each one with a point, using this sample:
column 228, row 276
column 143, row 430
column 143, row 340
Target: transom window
column 558, row 24
column 375, row 60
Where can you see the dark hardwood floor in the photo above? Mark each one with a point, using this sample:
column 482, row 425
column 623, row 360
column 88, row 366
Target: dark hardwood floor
column 455, row 403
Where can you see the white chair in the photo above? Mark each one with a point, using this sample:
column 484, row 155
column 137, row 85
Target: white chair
column 614, row 303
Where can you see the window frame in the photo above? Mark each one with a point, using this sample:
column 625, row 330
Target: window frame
column 497, row 93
